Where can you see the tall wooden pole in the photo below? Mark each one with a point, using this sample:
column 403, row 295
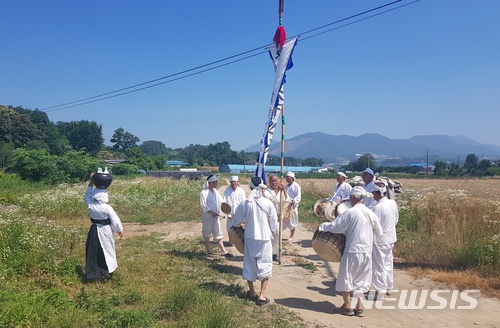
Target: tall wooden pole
column 281, row 181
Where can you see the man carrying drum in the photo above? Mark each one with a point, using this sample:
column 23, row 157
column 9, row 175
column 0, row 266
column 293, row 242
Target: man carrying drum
column 368, row 177
column 233, row 196
column 342, row 189
column 261, row 221
column 360, row 226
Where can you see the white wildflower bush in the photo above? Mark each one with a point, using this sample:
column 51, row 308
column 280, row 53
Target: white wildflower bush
column 66, row 199
column 31, row 245
column 449, row 228
column 152, row 200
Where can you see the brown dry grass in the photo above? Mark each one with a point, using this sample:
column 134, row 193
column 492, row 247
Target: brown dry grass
column 452, row 214
column 489, row 187
column 466, row 279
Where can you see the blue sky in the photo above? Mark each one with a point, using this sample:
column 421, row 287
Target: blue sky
column 431, row 67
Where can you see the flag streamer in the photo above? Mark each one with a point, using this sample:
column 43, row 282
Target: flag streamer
column 282, row 60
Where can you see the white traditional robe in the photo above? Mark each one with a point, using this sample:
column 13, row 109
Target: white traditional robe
column 211, row 200
column 359, row 224
column 96, row 200
column 382, row 257
column 233, row 198
column 341, row 191
column 294, row 193
column 276, row 198
column 261, row 221
column 369, row 202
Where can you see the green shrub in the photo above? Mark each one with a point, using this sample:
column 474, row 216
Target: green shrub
column 124, row 169
column 192, row 306
column 483, row 256
column 179, row 301
column 30, row 246
column 32, row 309
column 39, row 165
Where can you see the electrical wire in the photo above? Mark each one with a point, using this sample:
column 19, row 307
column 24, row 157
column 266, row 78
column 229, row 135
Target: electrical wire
column 221, row 62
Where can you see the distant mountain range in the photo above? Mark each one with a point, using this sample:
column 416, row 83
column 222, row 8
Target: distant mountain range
column 339, row 149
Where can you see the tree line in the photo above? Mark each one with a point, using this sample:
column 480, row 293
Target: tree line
column 40, row 150
column 471, row 167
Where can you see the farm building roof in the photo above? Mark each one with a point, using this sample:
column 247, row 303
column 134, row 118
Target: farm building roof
column 175, row 163
column 235, row 168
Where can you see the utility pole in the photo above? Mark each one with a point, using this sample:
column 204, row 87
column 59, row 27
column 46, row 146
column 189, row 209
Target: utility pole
column 427, row 169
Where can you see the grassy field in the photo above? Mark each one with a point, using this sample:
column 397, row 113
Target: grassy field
column 448, row 229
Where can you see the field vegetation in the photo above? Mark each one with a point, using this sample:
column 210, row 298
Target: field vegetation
column 447, row 228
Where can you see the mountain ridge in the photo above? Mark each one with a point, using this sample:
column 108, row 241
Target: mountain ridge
column 344, row 148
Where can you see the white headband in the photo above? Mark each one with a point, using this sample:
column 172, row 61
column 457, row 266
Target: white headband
column 211, row 179
column 360, row 193
column 380, row 189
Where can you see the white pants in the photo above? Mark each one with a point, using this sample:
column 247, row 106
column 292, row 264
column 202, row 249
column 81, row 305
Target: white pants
column 355, row 273
column 257, row 259
column 383, row 267
column 211, row 226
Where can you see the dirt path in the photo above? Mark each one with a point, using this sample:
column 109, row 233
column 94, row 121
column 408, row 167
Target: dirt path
column 313, row 295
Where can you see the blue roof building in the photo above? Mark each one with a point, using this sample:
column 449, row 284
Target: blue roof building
column 175, row 163
column 239, row 168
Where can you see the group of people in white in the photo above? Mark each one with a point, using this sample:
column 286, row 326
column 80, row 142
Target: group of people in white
column 370, row 230
column 369, row 226
column 259, row 213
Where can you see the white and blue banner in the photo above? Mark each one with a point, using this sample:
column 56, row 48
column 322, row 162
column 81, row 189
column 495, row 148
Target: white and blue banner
column 282, row 59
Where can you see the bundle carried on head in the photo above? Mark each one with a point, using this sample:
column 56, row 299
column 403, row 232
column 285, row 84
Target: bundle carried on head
column 394, row 188
column 102, row 180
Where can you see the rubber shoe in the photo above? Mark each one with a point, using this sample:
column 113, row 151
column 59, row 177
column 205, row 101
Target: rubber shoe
column 347, row 312
column 359, row 313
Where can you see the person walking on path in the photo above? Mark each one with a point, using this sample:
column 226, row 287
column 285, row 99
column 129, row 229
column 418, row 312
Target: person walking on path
column 100, row 253
column 294, row 193
column 369, row 179
column 233, row 196
column 210, row 202
column 360, row 226
column 261, row 221
column 342, row 189
column 382, row 257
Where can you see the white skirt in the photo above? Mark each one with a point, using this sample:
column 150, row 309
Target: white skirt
column 257, row 259
column 355, row 273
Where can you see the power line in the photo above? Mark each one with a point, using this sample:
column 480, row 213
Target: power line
column 111, row 95
column 151, row 81
column 356, row 21
column 221, row 62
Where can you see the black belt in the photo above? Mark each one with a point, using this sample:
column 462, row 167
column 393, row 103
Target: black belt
column 103, row 222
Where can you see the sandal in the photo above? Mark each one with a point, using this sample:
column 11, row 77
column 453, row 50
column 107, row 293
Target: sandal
column 359, row 312
column 250, row 297
column 262, row 302
column 346, row 311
